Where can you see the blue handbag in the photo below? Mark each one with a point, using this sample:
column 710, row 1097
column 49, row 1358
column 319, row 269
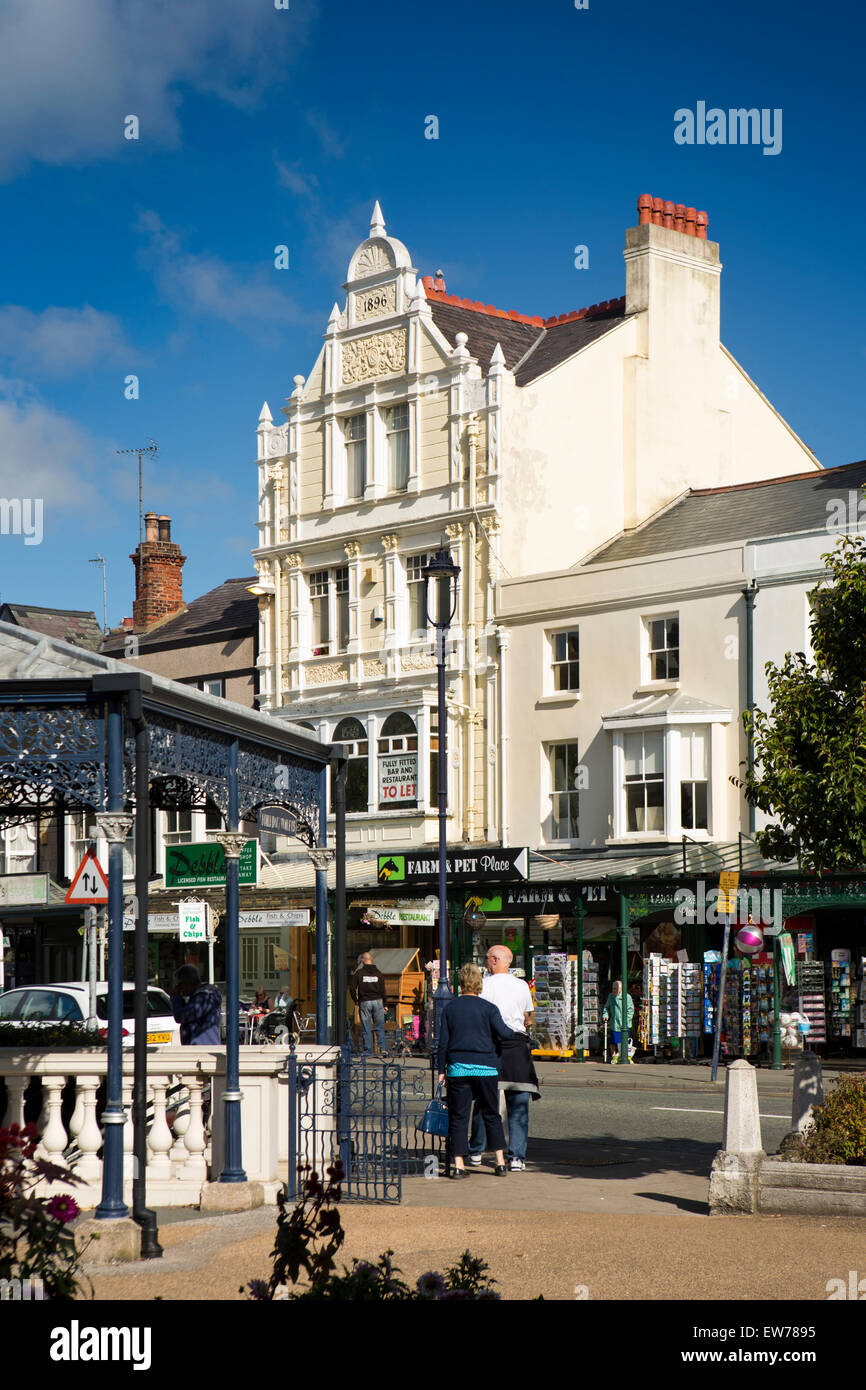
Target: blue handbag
column 435, row 1117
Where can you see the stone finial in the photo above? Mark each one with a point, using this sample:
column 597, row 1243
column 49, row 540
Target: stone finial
column 265, row 417
column 377, row 221
column 497, row 359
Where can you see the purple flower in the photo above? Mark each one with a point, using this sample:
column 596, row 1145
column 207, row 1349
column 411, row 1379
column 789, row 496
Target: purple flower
column 431, row 1285
column 258, row 1289
column 63, row 1209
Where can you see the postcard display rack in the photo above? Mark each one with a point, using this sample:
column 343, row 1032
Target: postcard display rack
column 556, row 1002
column 671, row 1004
column 841, row 996
column 749, row 995
column 553, row 1002
column 810, row 983
column 860, row 1030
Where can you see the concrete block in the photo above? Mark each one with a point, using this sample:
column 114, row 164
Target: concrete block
column 814, row 1177
column 114, row 1241
column 742, row 1124
column 734, row 1182
column 231, row 1196
column 803, row 1201
column 808, row 1090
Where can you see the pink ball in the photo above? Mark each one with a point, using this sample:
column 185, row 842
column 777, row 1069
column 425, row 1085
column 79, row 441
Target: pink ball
column 749, row 940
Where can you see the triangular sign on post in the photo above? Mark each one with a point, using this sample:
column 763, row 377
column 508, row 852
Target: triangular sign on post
column 89, row 887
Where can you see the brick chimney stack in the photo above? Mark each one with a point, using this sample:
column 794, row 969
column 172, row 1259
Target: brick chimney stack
column 158, row 581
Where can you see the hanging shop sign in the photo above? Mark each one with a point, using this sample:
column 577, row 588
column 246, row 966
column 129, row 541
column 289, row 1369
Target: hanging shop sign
column 464, row 866
column 204, row 866
column 276, row 820
column 398, row 779
column 23, row 890
column 192, row 920
column 400, row 916
column 291, row 917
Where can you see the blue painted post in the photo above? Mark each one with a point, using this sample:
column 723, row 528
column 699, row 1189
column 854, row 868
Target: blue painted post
column 115, row 825
column 321, row 857
column 232, row 842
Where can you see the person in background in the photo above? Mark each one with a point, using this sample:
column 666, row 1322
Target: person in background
column 367, row 988
column 263, row 1001
column 196, row 1007
column 283, row 998
column 518, row 1082
column 470, row 1036
column 613, row 1012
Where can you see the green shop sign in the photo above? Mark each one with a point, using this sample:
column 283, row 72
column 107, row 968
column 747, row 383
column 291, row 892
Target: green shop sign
column 204, row 866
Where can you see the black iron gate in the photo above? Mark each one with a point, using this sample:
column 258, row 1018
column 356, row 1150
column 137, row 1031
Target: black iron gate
column 364, row 1112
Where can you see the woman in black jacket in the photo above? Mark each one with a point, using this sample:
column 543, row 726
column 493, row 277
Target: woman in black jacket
column 469, row 1040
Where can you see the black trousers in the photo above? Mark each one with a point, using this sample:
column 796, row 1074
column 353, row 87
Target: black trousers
column 462, row 1091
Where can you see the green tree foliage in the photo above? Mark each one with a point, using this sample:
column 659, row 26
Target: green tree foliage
column 809, row 769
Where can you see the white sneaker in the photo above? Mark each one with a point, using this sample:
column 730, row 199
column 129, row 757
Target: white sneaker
column 517, row 1165
column 475, row 1160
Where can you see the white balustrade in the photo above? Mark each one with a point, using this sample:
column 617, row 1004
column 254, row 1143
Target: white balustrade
column 159, row 1136
column 89, row 1137
column 179, row 1156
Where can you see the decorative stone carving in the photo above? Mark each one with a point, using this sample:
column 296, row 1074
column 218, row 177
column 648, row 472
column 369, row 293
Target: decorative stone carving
column 232, row 843
column 374, row 667
column 419, row 661
column 382, row 355
column 390, row 542
column 454, row 530
column 352, row 549
column 278, row 442
column 372, row 304
column 370, row 260
column 327, row 674
column 293, row 561
column 115, row 826
column 322, row 858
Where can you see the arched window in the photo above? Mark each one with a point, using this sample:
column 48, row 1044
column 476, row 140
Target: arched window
column 353, row 736
column 398, row 763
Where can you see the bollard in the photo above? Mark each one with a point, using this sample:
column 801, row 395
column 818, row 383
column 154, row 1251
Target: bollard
column 808, row 1090
column 734, row 1174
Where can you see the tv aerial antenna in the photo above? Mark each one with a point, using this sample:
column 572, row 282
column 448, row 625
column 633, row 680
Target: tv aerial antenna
column 151, row 448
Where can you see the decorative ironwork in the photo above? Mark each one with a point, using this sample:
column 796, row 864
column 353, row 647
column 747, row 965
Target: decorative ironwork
column 265, row 779
column 189, row 752
column 178, row 794
column 48, row 749
column 364, row 1111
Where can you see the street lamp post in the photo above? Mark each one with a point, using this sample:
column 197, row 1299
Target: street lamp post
column 442, row 573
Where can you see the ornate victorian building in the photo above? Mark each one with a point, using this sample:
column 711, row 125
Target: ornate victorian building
column 524, row 444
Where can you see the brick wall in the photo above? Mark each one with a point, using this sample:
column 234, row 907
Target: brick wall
column 158, row 581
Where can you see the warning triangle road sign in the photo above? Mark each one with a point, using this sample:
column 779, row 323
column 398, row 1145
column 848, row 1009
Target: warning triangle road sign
column 89, row 887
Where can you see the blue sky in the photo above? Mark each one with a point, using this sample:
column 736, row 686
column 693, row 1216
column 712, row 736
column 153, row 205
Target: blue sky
column 261, row 127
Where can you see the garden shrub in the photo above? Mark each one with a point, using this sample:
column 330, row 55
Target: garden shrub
column 837, row 1131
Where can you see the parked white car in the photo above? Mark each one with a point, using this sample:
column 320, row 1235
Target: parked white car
column 69, row 1003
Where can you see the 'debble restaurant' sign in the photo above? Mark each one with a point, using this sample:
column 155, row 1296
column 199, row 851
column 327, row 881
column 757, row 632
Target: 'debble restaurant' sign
column 204, row 866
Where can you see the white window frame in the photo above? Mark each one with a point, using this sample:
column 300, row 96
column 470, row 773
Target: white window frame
column 412, row 633
column 547, row 753
column 648, row 680
column 549, row 685
column 387, row 412
column 672, row 731
column 345, row 422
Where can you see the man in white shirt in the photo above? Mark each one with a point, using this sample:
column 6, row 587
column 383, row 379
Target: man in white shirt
column 517, row 1078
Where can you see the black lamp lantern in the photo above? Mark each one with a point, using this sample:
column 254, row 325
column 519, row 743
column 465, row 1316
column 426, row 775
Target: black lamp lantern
column 440, row 604
column 440, row 590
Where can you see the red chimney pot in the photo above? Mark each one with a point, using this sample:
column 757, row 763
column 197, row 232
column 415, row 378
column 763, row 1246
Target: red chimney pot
column 644, row 209
column 690, row 221
column 668, row 220
column 702, row 222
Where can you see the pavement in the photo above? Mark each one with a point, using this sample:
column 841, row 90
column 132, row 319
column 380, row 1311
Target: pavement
column 561, row 1255
column 604, row 1218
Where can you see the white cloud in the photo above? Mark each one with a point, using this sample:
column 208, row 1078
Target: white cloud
column 71, row 70
column 61, row 340
column 206, row 286
column 48, row 455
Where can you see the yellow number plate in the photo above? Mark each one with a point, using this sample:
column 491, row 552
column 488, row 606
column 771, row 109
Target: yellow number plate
column 158, row 1037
